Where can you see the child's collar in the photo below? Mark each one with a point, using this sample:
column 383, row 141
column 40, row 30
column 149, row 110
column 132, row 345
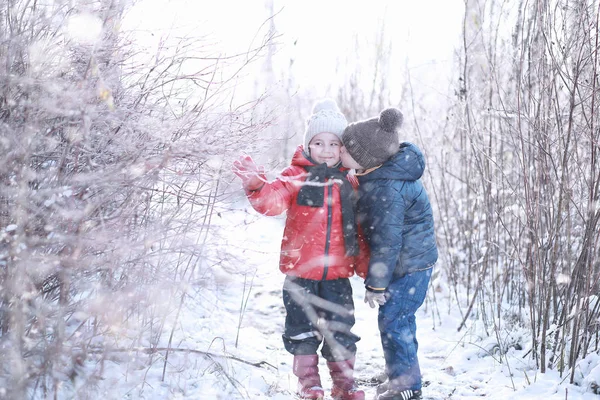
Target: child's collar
column 366, row 171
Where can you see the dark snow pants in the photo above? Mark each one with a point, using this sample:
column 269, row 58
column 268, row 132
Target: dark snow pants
column 319, row 312
column 398, row 329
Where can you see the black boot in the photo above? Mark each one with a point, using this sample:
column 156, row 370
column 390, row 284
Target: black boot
column 408, row 394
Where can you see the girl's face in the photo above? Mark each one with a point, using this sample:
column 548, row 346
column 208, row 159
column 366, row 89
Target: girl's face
column 348, row 161
column 325, row 148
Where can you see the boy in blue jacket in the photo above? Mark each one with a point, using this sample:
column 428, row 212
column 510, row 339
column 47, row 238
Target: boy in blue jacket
column 394, row 211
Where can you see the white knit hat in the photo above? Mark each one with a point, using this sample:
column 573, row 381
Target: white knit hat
column 326, row 117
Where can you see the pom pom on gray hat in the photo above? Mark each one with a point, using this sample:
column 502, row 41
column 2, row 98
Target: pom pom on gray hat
column 326, row 117
column 391, row 119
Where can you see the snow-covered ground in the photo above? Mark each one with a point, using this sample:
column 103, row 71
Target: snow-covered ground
column 233, row 359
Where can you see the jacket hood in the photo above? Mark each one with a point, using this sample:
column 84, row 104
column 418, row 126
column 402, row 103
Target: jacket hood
column 408, row 164
column 300, row 158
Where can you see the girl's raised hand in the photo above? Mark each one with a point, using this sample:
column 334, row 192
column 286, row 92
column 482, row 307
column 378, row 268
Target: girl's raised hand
column 252, row 176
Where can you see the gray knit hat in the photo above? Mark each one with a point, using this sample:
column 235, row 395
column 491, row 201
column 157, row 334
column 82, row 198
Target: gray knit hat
column 372, row 141
column 326, row 117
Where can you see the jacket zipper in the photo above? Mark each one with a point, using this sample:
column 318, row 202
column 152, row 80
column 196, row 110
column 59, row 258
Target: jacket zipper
column 328, row 235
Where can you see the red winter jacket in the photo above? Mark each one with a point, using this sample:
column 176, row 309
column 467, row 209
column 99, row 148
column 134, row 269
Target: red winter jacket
column 313, row 241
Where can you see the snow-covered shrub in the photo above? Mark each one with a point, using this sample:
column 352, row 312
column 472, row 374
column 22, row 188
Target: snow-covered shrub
column 111, row 167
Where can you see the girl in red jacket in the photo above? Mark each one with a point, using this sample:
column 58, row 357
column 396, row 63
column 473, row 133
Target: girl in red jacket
column 319, row 252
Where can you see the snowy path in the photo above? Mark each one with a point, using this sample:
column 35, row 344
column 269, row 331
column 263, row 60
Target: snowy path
column 457, row 365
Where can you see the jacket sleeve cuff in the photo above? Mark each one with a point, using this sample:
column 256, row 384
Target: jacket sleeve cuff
column 375, row 290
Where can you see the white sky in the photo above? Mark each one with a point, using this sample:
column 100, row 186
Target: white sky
column 324, row 30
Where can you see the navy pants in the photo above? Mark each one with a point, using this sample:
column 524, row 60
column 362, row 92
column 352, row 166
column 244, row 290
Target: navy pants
column 319, row 312
column 398, row 329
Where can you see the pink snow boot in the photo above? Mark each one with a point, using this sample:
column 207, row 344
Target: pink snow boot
column 306, row 368
column 344, row 387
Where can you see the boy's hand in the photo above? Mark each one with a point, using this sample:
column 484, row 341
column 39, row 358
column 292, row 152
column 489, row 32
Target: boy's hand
column 253, row 177
column 375, row 298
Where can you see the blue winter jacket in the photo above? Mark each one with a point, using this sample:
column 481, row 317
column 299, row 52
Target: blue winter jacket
column 395, row 214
